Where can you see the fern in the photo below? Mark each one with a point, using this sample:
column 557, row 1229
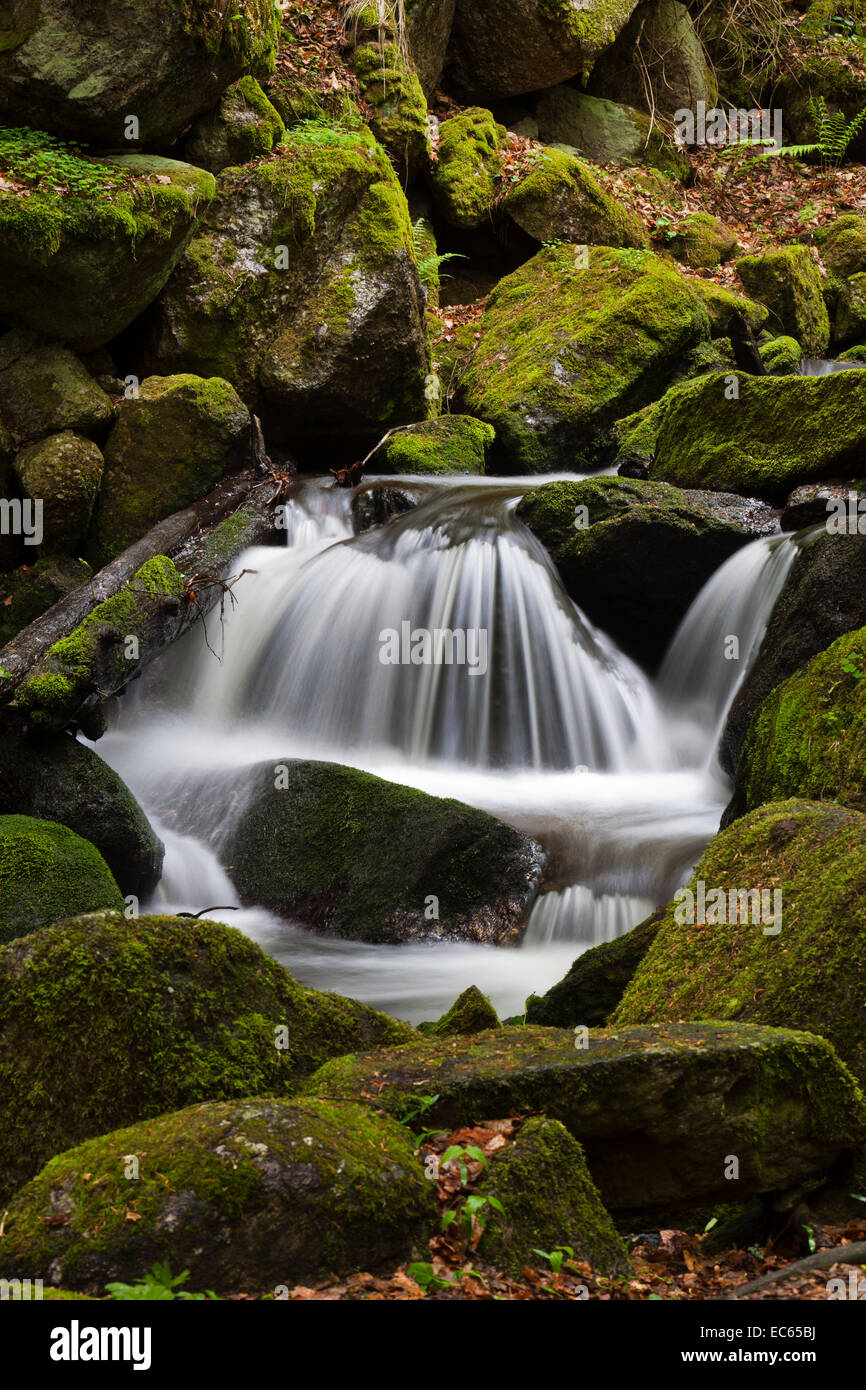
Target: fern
column 428, row 264
column 835, row 134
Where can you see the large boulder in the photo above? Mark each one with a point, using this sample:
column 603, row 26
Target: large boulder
column 45, row 389
column 824, row 597
column 632, row 554
column 843, row 245
column 471, row 150
column 58, row 779
column 565, row 351
column 109, row 1020
column 762, row 436
column 63, row 472
column 81, row 68
column 366, row 859
column 428, row 29
column 794, row 960
column 172, row 441
column 242, row 126
column 658, row 1110
column 302, row 290
column 249, row 1196
column 788, row 282
column 606, row 133
column 725, row 308
column 500, row 51
column 657, row 64
column 807, row 736
column 46, row 872
column 561, row 200
column 596, row 982
column 449, row 444
column 81, row 268
column 703, row 242
column 548, row 1200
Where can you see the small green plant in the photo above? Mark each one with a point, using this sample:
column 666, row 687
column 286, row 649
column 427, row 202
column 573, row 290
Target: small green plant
column 44, row 163
column 556, row 1258
column 422, row 1105
column 429, row 262
column 851, row 666
column 159, row 1286
column 474, row 1207
column 459, row 1155
column 835, row 134
column 424, row 1277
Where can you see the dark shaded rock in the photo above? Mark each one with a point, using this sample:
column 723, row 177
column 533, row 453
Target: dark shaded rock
column 589, row 993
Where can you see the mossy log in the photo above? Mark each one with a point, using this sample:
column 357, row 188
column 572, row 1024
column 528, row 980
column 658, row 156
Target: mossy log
column 58, row 672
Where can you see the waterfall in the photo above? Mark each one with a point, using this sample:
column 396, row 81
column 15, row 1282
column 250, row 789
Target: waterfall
column 561, row 736
column 718, row 640
column 821, row 366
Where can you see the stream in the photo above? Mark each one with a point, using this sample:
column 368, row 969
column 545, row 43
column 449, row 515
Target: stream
column 562, row 736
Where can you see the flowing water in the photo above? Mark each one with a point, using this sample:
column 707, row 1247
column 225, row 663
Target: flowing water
column 546, row 724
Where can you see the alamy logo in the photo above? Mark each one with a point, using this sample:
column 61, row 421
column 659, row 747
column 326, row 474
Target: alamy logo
column 715, row 126
column 20, row 1290
column 19, row 518
column 438, row 646
column 855, row 1290
column 846, row 516
column 720, row 907
column 77, row 1343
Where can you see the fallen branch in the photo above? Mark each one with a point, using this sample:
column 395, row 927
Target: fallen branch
column 853, row 1254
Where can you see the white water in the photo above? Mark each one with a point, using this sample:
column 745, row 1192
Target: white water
column 563, row 737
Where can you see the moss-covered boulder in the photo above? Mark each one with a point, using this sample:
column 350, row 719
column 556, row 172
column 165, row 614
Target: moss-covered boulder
column 824, row 597
column 368, row 860
column 565, row 351
column 596, row 982
column 81, row 268
column 782, row 356
column 797, row 964
column 471, row 148
column 449, row 444
column 606, row 133
column 471, row 1012
column 46, row 872
column 247, row 1195
column 499, row 51
column 762, row 436
column 658, row 1110
column 44, row 389
column 703, row 242
column 849, row 319
column 242, row 126
column 548, row 1200
column 170, row 444
column 301, row 289
column 59, row 779
column 822, row 71
column 807, row 738
column 391, row 88
column 632, row 554
column 109, row 1020
column 657, row 64
column 26, row 592
column 724, row 307
column 788, row 281
column 843, row 245
column 64, row 472
column 561, row 200
column 82, row 74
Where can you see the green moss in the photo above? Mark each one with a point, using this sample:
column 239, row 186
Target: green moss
column 248, row 34
column 52, row 694
column 561, row 200
column 141, row 1016
column 782, row 356
column 549, row 1199
column 472, row 1012
column 596, row 982
column 471, row 146
column 565, row 351
column 843, row 245
column 246, row 1195
column 723, row 306
column 773, row 435
column 806, row 740
column 787, row 280
column 390, row 86
column 243, row 126
column 810, row 974
column 703, row 242
column 26, row 593
column 449, row 444
column 64, row 471
column 47, row 872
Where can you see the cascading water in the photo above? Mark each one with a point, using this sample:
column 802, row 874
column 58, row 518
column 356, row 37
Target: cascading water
column 560, row 735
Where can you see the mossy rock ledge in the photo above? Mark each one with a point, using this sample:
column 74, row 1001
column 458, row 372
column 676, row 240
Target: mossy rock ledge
column 657, row 1109
column 798, row 961
column 358, row 857
column 247, row 1195
column 109, row 1020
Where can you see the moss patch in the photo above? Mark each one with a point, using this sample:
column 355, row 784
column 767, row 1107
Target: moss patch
column 471, row 147
column 787, row 280
column 449, row 444
column 47, row 872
